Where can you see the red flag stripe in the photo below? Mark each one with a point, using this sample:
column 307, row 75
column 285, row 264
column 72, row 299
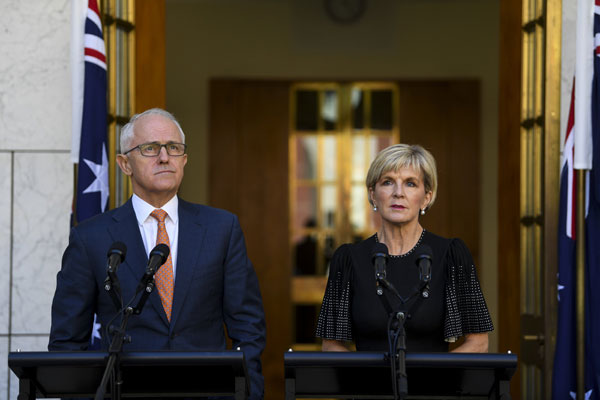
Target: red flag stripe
column 94, row 53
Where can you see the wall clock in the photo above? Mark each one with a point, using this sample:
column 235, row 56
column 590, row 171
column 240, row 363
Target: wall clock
column 345, row 11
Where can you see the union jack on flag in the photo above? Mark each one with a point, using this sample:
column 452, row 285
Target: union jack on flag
column 92, row 182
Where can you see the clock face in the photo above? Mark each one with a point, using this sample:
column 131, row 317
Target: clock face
column 345, row 11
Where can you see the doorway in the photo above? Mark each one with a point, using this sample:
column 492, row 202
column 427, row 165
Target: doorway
column 255, row 146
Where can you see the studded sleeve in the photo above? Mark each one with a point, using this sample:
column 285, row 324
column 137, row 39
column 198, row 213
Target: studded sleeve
column 335, row 319
column 466, row 309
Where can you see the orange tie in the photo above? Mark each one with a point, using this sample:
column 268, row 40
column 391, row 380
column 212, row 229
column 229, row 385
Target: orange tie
column 164, row 276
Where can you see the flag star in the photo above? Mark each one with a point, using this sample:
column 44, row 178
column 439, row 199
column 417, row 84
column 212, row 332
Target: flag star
column 100, row 184
column 560, row 287
column 95, row 329
column 588, row 394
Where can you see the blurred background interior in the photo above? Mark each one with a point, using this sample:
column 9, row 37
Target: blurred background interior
column 284, row 104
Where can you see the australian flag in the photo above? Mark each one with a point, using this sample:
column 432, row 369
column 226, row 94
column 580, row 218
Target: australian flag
column 564, row 380
column 92, row 180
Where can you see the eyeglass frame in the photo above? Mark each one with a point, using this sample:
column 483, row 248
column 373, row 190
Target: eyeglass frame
column 159, row 150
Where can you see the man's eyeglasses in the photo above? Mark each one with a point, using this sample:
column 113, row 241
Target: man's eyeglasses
column 153, row 149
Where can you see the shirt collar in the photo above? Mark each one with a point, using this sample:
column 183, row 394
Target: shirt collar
column 143, row 210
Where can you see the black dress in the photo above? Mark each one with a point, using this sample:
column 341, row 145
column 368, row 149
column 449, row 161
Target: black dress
column 351, row 309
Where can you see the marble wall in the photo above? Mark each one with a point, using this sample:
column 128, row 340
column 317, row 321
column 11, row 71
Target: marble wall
column 36, row 173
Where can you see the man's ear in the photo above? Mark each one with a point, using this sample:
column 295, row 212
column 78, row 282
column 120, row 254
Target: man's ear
column 123, row 162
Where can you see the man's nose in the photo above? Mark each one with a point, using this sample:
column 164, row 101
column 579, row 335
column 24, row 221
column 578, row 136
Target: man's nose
column 163, row 156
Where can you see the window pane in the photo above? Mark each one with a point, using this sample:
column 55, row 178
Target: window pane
column 358, row 207
column 306, row 157
column 381, row 109
column 329, row 158
column 306, row 207
column 328, row 205
column 329, row 247
column 329, row 111
column 307, row 110
column 358, row 158
column 357, row 109
column 376, row 144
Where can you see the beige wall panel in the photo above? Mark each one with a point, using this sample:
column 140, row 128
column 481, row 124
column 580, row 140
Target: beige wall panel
column 35, row 83
column 42, row 203
column 5, row 234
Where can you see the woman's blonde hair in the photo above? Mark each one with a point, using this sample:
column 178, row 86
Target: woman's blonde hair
column 399, row 156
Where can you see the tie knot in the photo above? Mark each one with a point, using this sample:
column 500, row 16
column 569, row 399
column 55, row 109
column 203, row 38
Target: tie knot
column 159, row 214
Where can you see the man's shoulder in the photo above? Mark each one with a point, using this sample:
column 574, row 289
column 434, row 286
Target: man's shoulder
column 98, row 219
column 206, row 213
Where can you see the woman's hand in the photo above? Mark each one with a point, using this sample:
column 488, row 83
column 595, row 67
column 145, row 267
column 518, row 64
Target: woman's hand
column 474, row 343
column 333, row 345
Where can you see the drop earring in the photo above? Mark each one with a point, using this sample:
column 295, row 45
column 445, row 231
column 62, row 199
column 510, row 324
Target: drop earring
column 374, row 207
column 423, row 211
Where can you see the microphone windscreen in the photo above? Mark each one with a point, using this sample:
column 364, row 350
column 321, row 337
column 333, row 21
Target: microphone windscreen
column 118, row 248
column 425, row 252
column 379, row 250
column 161, row 250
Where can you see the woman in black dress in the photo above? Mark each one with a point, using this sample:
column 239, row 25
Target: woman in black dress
column 402, row 184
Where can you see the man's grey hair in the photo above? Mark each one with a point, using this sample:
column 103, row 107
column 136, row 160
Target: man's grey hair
column 127, row 130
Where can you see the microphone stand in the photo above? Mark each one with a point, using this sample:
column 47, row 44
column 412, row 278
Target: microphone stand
column 113, row 365
column 397, row 334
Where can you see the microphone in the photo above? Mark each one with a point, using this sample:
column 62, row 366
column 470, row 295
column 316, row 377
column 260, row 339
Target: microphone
column 424, row 263
column 116, row 255
column 379, row 257
column 158, row 256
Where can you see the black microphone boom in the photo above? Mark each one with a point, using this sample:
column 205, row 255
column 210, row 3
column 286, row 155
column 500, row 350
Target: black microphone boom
column 158, row 256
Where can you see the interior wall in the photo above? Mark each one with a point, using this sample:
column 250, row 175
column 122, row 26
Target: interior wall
column 295, row 39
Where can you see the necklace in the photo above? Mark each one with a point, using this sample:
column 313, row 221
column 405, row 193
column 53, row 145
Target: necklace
column 408, row 252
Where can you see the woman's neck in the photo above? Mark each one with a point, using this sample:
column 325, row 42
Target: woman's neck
column 399, row 239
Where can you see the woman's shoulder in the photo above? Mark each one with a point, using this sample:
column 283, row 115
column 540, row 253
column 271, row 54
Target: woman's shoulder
column 347, row 251
column 453, row 249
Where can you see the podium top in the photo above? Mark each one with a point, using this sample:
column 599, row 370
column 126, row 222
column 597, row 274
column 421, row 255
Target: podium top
column 367, row 374
column 145, row 374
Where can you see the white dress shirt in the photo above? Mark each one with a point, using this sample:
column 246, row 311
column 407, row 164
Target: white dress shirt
column 149, row 225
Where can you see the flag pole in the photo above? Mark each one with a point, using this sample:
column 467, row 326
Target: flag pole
column 580, row 279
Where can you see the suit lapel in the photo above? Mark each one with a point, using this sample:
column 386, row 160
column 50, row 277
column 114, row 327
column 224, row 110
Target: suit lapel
column 191, row 235
column 125, row 228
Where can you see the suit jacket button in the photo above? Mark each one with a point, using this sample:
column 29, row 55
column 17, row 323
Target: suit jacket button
column 173, row 335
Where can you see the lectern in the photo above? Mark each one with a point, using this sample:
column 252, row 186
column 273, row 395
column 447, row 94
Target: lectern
column 366, row 375
column 144, row 374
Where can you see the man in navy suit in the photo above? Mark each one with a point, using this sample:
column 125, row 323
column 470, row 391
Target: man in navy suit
column 214, row 282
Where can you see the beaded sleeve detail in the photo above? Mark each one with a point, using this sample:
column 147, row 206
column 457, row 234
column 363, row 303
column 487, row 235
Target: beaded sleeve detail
column 334, row 319
column 466, row 309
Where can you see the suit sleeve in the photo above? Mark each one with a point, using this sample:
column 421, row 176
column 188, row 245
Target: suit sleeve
column 243, row 309
column 74, row 300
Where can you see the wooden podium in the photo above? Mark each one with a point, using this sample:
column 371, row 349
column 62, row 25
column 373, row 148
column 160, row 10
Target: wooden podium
column 366, row 375
column 144, row 374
